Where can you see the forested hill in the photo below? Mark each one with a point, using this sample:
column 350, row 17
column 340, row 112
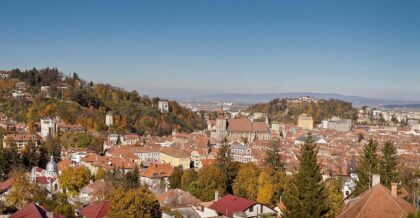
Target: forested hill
column 79, row 102
column 288, row 111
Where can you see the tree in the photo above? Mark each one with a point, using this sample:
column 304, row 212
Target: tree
column 100, row 174
column 73, row 179
column 30, row 156
column 57, row 203
column 335, row 197
column 360, row 137
column 139, row 202
column 175, row 179
column 23, row 191
column 388, row 164
column 367, row 166
column 271, row 186
column 210, row 179
column 132, row 179
column 226, row 165
column 307, row 196
column 246, row 182
column 188, row 177
column 272, row 156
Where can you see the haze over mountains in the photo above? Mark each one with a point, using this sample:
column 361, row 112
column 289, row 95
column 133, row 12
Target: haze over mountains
column 265, row 97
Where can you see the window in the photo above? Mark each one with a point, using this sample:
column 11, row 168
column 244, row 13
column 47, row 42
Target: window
column 251, row 209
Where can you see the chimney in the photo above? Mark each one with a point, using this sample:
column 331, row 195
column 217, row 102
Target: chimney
column 394, row 189
column 376, row 179
column 216, row 195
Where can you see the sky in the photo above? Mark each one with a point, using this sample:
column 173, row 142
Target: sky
column 185, row 48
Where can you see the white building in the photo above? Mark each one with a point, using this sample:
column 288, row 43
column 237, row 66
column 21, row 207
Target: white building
column 49, row 128
column 109, row 119
column 163, row 106
column 337, row 124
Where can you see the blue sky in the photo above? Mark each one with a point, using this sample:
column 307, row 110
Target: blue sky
column 184, row 48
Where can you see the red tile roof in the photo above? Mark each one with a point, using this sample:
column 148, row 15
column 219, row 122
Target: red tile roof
column 230, row 204
column 377, row 202
column 96, row 210
column 30, row 211
column 6, row 185
column 44, row 180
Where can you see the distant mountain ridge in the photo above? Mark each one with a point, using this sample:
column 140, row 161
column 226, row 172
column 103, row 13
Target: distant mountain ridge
column 265, row 97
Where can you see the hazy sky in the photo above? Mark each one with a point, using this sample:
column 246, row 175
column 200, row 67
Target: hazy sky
column 173, row 48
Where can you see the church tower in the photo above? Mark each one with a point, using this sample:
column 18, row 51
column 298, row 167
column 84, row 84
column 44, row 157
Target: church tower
column 221, row 124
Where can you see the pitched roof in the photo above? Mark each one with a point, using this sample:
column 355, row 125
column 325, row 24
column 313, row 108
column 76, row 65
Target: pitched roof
column 6, row 185
column 174, row 152
column 64, row 164
column 157, row 171
column 23, row 137
column 30, row 211
column 377, row 202
column 246, row 125
column 96, row 210
column 230, row 204
column 240, row 125
column 176, row 198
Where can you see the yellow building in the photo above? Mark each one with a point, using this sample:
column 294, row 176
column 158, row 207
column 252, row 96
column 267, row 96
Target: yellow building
column 305, row 122
column 175, row 157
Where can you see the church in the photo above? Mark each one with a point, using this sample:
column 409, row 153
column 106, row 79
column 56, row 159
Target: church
column 237, row 129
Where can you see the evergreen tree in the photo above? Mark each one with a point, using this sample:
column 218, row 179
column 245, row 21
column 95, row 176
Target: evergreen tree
column 30, row 156
column 132, row 179
column 272, row 156
column 226, row 165
column 388, row 164
column 367, row 166
column 3, row 173
column 175, row 179
column 307, row 195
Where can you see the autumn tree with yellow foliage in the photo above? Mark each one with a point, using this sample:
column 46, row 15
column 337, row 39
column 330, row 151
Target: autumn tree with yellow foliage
column 23, row 191
column 140, row 202
column 73, row 179
column 246, row 182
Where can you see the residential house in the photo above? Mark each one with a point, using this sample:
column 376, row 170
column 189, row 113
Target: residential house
column 233, row 206
column 156, row 176
column 21, row 140
column 242, row 153
column 94, row 192
column 315, row 139
column 377, row 202
column 96, row 210
column 33, row 210
column 147, row 154
column 175, row 157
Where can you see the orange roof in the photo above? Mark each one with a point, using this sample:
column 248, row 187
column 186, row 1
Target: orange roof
column 206, row 162
column 123, row 153
column 23, row 137
column 64, row 164
column 377, row 202
column 157, row 171
column 240, row 125
column 175, row 152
